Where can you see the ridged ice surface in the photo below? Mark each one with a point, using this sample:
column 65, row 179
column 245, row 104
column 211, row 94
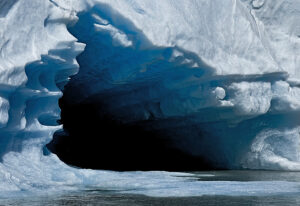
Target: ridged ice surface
column 229, row 68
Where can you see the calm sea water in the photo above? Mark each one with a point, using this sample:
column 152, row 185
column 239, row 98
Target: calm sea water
column 104, row 197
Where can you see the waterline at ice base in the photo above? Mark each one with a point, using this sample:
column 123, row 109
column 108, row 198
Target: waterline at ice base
column 128, row 95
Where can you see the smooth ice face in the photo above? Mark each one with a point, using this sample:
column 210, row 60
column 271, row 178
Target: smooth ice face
column 226, row 69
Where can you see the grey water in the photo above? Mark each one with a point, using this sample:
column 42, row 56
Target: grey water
column 104, row 197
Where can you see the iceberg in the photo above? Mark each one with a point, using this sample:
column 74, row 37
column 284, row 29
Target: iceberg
column 219, row 81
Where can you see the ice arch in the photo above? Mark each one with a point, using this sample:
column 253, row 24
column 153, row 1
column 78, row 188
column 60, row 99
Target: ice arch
column 173, row 96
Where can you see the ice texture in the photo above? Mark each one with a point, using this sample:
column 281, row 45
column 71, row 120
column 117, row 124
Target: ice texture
column 229, row 69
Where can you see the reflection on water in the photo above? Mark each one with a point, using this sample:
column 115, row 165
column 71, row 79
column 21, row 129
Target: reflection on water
column 108, row 197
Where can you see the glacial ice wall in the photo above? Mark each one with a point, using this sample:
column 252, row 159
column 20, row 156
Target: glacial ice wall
column 228, row 69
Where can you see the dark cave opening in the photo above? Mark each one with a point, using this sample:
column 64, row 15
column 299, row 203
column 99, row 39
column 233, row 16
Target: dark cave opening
column 103, row 120
column 92, row 139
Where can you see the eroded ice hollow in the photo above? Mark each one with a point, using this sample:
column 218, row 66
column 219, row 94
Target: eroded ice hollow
column 164, row 86
column 180, row 85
